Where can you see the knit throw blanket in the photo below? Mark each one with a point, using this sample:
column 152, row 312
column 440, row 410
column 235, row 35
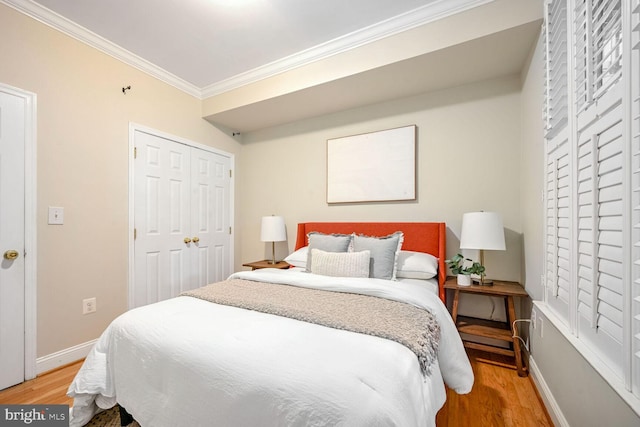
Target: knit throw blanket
column 413, row 327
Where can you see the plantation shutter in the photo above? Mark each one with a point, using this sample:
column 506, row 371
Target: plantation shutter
column 581, row 46
column 600, row 179
column 558, row 269
column 598, row 48
column 635, row 188
column 592, row 264
column 555, row 38
column 600, row 237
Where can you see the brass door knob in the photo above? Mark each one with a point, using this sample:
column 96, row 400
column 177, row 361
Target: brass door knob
column 11, row 254
column 187, row 240
column 196, row 239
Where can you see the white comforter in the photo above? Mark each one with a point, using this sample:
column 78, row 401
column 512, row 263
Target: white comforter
column 189, row 362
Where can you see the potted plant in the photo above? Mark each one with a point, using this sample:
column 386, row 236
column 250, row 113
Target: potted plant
column 457, row 266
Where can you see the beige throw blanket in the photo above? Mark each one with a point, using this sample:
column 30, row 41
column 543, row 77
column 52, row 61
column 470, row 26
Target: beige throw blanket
column 413, row 327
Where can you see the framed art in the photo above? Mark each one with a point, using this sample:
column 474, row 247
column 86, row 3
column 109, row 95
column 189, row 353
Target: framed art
column 372, row 167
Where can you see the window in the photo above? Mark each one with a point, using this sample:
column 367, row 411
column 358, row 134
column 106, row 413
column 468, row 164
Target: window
column 555, row 37
column 592, row 266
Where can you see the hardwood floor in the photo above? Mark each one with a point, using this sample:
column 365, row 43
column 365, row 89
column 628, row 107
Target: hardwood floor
column 499, row 396
column 49, row 388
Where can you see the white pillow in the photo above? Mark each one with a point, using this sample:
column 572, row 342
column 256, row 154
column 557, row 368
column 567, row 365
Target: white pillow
column 384, row 253
column 299, row 257
column 327, row 242
column 340, row 264
column 416, row 265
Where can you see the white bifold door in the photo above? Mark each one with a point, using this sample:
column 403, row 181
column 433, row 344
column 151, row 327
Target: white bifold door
column 181, row 218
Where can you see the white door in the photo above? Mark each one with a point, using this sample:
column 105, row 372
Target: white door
column 210, row 217
column 12, row 238
column 181, row 218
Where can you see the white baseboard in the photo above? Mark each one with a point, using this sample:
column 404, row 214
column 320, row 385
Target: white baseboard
column 63, row 357
column 549, row 401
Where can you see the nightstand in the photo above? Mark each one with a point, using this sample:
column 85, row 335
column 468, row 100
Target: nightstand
column 267, row 264
column 501, row 331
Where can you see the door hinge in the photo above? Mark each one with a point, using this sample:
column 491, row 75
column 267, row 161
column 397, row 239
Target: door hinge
column 135, row 233
column 230, row 173
column 135, row 152
column 229, row 230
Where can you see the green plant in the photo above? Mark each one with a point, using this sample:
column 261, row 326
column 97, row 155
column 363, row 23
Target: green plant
column 456, row 264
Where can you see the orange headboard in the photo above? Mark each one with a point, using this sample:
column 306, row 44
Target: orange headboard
column 429, row 237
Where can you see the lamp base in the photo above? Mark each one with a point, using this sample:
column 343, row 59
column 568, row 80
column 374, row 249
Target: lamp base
column 485, row 282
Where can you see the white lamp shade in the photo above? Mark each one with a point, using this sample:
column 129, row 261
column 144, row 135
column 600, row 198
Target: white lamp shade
column 482, row 230
column 273, row 229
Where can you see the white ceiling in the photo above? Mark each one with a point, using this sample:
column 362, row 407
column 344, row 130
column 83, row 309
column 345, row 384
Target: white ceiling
column 209, row 47
column 207, row 41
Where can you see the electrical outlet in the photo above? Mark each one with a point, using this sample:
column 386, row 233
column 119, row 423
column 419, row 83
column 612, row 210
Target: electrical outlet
column 89, row 305
column 534, row 315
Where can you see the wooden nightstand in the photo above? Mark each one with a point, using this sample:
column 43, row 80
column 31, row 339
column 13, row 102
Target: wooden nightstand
column 501, row 331
column 266, row 264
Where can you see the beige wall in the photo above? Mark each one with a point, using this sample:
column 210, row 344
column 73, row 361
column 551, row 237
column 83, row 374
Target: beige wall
column 82, row 149
column 532, row 175
column 468, row 155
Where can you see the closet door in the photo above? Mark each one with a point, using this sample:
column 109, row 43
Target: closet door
column 210, row 240
column 181, row 216
column 162, row 219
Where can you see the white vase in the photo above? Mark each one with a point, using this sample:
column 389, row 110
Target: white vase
column 464, row 280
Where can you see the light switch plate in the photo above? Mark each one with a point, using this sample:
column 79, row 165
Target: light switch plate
column 56, row 215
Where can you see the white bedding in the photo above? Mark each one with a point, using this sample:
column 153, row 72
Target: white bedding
column 189, row 362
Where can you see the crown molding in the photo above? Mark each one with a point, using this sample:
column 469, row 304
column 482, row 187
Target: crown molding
column 425, row 14
column 70, row 28
column 431, row 12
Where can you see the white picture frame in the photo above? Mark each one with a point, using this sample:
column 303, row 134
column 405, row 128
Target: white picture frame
column 372, row 167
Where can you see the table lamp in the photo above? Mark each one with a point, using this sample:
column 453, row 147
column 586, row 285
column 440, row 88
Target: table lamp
column 273, row 231
column 483, row 231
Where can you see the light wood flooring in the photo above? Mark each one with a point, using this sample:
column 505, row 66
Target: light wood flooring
column 499, row 397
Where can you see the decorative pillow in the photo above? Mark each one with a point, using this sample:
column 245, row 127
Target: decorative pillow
column 416, row 265
column 299, row 257
column 340, row 264
column 384, row 253
column 327, row 243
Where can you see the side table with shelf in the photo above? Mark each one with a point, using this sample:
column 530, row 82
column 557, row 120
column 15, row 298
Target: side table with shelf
column 496, row 330
column 255, row 265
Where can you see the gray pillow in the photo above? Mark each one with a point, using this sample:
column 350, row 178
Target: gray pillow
column 327, row 243
column 384, row 253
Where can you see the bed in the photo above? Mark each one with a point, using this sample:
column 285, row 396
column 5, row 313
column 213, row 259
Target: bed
column 190, row 361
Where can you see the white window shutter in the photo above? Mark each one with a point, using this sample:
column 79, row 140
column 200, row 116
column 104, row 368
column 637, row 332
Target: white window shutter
column 598, row 48
column 593, row 185
column 558, row 238
column 599, row 180
column 555, row 38
column 600, row 241
column 582, row 69
column 635, row 189
column 606, row 17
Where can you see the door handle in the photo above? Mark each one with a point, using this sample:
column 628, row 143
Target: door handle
column 196, row 239
column 11, row 254
column 187, row 240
